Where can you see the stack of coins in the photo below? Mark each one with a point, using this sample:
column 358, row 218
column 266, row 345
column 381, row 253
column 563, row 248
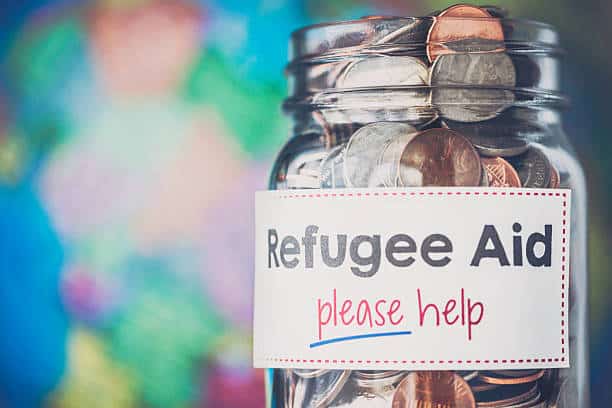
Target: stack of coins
column 449, row 116
column 403, row 389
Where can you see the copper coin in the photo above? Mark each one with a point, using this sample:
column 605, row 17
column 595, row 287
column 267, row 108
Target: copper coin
column 500, row 173
column 440, row 389
column 508, row 395
column 458, row 23
column 439, row 157
column 555, row 179
column 494, row 377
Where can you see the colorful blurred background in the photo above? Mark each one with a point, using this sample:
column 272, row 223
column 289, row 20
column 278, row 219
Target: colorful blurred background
column 133, row 134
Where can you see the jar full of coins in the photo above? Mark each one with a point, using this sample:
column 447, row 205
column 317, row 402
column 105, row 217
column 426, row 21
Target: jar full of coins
column 424, row 240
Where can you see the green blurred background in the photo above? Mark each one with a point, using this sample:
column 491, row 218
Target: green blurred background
column 133, row 134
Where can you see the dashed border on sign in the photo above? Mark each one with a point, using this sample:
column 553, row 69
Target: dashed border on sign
column 564, row 272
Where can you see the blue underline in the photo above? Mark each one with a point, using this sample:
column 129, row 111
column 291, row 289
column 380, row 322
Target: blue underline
column 358, row 337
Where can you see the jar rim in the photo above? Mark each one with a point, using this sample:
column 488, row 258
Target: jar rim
column 317, row 42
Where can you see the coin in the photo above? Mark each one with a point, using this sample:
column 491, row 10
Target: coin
column 500, row 173
column 413, row 31
column 309, row 373
column 507, row 396
column 468, row 375
column 484, row 177
column 496, row 11
column 384, row 71
column 462, row 85
column 439, row 157
column 389, row 161
column 555, row 179
column 319, row 392
column 502, row 136
column 440, row 389
column 364, row 149
column 460, row 22
column 297, row 181
column 332, row 169
column 533, row 167
column 496, row 377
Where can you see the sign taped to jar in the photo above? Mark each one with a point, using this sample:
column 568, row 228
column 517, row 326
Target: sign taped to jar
column 413, row 279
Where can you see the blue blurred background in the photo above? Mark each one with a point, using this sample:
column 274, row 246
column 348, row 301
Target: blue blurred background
column 133, row 134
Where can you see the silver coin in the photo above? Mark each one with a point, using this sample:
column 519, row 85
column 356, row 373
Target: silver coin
column 365, row 147
column 413, row 31
column 298, row 181
column 319, row 392
column 468, row 375
column 503, row 137
column 382, row 71
column 307, row 159
column 462, row 85
column 331, row 173
column 309, row 373
column 484, row 177
column 378, row 105
column 533, row 167
column 389, row 161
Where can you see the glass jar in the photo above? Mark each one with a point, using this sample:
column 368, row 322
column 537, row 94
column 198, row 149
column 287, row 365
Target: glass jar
column 361, row 92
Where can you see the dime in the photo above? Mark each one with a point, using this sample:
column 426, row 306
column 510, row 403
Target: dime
column 439, row 157
column 460, row 22
column 442, row 389
column 332, row 169
column 389, row 161
column 384, row 71
column 364, row 149
column 462, row 85
column 321, row 391
column 500, row 173
column 502, row 136
column 496, row 377
column 533, row 168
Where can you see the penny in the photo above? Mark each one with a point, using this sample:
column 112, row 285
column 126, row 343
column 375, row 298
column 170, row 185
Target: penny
column 533, row 167
column 441, row 389
column 500, row 173
column 507, row 395
column 494, row 377
column 331, row 174
column 460, row 22
column 439, row 157
column 364, row 149
column 472, row 87
column 555, row 179
column 502, row 136
column 384, row 71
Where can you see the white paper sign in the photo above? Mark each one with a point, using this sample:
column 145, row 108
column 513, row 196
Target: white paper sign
column 415, row 279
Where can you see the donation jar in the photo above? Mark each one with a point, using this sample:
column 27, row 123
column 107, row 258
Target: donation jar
column 423, row 242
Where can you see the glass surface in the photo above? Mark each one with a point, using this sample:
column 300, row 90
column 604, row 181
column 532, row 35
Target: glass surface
column 502, row 96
